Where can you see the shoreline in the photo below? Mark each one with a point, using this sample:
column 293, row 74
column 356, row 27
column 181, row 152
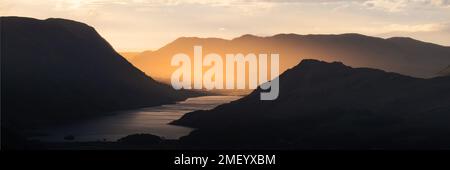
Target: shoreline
column 149, row 120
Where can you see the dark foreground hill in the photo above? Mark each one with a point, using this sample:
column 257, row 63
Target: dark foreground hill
column 445, row 72
column 57, row 71
column 331, row 106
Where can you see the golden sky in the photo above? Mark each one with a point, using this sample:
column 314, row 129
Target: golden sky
column 137, row 25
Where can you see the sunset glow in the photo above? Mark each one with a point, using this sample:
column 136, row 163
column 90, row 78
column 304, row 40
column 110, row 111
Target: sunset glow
column 140, row 25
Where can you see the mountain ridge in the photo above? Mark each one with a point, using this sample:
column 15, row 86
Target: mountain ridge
column 325, row 105
column 397, row 54
column 58, row 70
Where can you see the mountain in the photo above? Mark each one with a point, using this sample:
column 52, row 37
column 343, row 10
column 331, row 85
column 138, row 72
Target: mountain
column 58, row 71
column 331, row 106
column 402, row 55
column 445, row 72
column 129, row 55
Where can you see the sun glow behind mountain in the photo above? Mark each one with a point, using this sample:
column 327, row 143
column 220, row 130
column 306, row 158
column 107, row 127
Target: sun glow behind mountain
column 140, row 25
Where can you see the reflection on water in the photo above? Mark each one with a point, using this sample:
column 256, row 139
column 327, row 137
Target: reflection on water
column 152, row 120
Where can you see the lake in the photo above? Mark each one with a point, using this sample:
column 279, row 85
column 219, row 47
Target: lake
column 151, row 120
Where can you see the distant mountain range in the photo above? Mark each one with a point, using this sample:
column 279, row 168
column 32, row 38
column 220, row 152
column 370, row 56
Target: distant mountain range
column 402, row 55
column 129, row 55
column 57, row 70
column 331, row 106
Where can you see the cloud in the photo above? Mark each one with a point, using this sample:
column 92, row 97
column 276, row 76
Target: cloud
column 402, row 5
column 143, row 24
column 442, row 3
column 387, row 5
column 405, row 28
column 380, row 3
column 417, row 28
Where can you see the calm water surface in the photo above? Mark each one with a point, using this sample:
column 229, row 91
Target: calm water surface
column 152, row 120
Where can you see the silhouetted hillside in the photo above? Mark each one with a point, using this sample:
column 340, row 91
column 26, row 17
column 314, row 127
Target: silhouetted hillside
column 330, row 105
column 140, row 139
column 56, row 70
column 129, row 55
column 445, row 72
column 402, row 55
